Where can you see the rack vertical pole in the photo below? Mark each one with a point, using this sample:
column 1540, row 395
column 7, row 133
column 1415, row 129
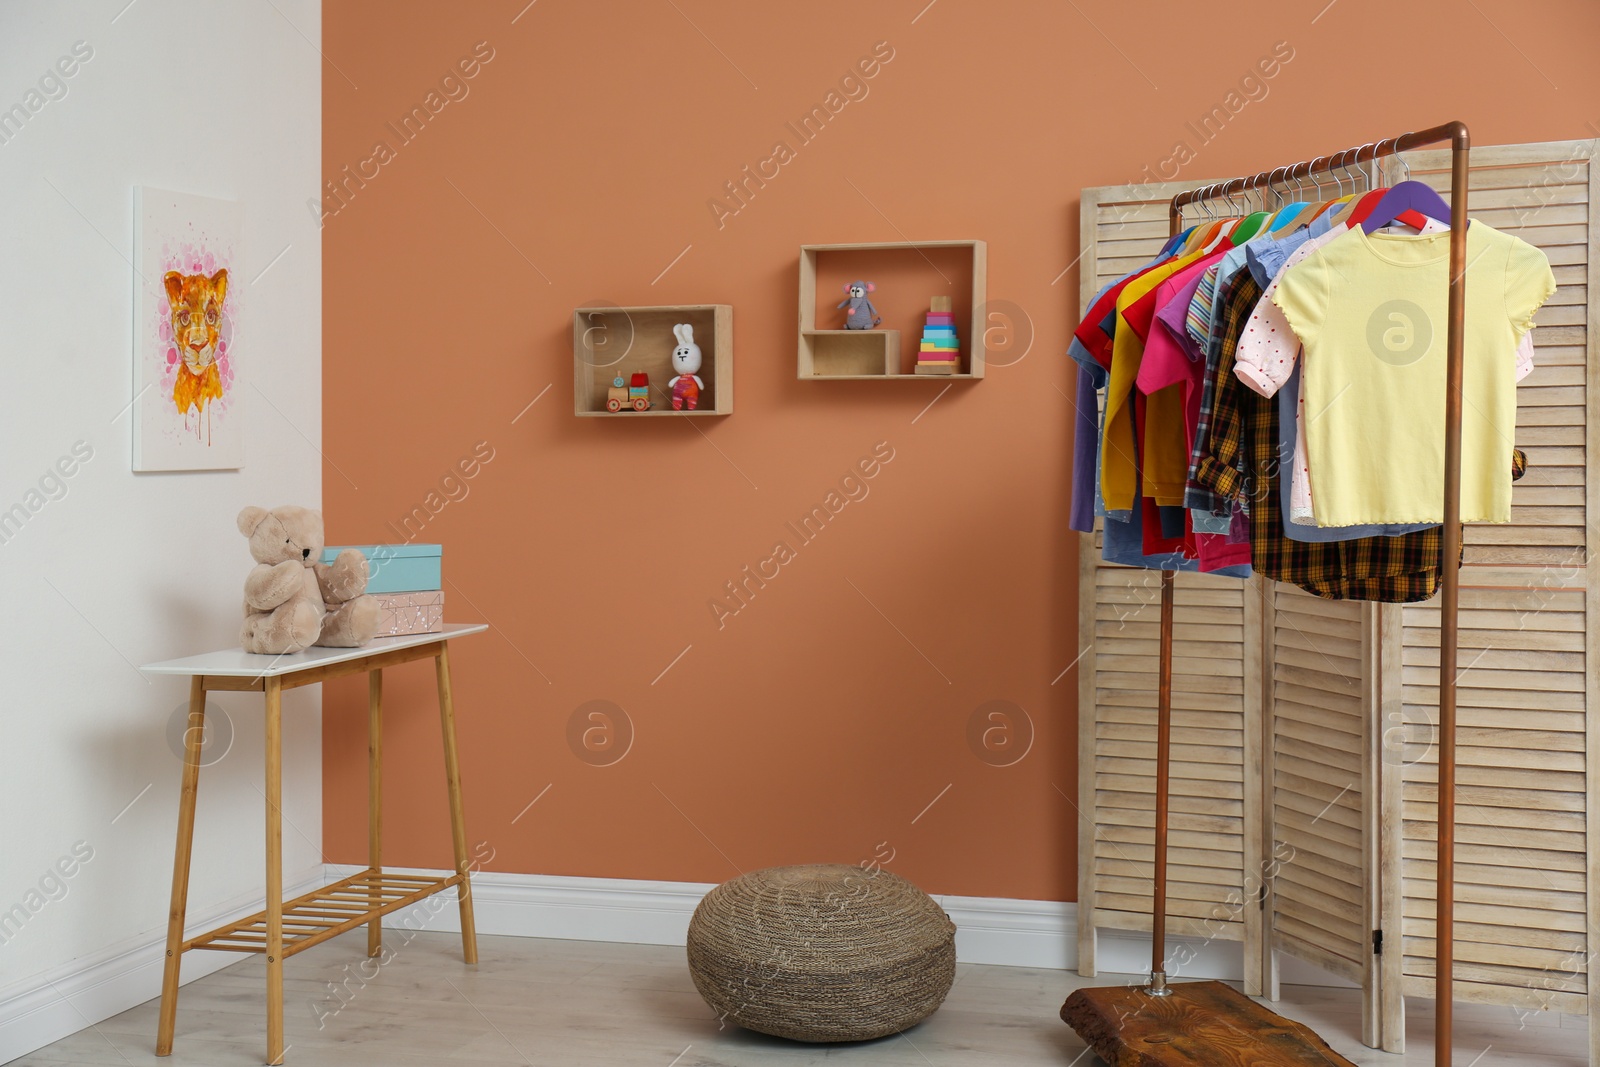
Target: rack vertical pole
column 1450, row 606
column 1158, row 894
column 1158, row 907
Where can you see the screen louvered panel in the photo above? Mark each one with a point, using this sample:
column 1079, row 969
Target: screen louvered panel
column 1525, row 799
column 1521, row 816
column 1215, row 711
column 1208, row 832
column 1317, row 723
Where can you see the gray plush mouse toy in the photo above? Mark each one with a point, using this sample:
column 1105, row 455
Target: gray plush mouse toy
column 862, row 315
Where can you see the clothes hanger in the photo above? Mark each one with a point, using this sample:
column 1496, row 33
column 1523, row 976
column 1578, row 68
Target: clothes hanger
column 1339, row 196
column 1364, row 206
column 1176, row 241
column 1289, row 217
column 1282, row 221
column 1187, row 240
column 1370, row 198
column 1176, row 245
column 1410, row 202
column 1219, row 198
column 1316, row 207
column 1272, row 199
column 1339, row 173
column 1331, row 208
column 1414, row 219
column 1226, row 223
column 1234, row 215
column 1213, row 231
column 1202, row 235
column 1343, row 215
column 1280, row 218
column 1369, row 202
column 1250, row 225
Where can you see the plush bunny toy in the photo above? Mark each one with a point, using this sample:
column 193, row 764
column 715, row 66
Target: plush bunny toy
column 862, row 315
column 685, row 385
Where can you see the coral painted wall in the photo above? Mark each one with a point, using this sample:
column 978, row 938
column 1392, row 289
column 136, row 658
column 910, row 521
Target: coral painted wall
column 581, row 154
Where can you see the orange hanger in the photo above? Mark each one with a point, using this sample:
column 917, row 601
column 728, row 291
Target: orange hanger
column 1332, row 204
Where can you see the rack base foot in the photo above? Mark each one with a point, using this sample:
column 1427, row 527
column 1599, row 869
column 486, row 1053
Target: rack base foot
column 1198, row 1022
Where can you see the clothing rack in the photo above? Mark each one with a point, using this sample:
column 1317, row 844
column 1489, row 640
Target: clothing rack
column 1460, row 143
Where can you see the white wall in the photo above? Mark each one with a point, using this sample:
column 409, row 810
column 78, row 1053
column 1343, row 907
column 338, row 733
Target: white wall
column 222, row 100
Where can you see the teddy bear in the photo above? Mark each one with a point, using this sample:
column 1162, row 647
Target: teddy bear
column 292, row 600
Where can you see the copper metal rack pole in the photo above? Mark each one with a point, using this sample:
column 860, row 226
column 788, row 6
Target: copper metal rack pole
column 1450, row 584
column 1158, row 904
column 1158, row 896
column 1450, row 606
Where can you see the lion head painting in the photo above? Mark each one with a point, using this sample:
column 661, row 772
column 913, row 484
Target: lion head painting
column 191, row 304
column 197, row 307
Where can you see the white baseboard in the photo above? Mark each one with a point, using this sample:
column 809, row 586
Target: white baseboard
column 992, row 930
column 91, row 989
column 1018, row 933
column 568, row 908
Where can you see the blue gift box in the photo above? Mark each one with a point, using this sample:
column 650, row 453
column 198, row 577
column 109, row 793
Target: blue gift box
column 397, row 568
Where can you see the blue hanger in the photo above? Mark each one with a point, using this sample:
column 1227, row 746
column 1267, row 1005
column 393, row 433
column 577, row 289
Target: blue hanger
column 1175, row 241
column 1285, row 215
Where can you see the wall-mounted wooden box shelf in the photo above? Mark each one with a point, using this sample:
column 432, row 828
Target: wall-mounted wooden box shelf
column 907, row 274
column 610, row 342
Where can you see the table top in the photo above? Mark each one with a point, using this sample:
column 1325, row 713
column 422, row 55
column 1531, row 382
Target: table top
column 237, row 663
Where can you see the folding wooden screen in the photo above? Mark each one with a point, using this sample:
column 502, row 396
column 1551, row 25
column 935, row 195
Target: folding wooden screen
column 1303, row 772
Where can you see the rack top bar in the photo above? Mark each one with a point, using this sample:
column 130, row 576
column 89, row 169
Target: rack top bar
column 1454, row 132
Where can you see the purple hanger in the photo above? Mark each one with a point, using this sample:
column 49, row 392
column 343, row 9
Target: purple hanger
column 1406, row 196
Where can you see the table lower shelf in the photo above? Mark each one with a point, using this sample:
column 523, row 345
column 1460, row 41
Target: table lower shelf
column 327, row 912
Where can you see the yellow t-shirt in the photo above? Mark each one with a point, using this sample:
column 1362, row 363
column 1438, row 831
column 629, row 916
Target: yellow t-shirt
column 1119, row 447
column 1372, row 314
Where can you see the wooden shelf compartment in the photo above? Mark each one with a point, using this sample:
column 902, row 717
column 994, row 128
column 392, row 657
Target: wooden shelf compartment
column 611, row 342
column 325, row 913
column 849, row 353
column 908, row 274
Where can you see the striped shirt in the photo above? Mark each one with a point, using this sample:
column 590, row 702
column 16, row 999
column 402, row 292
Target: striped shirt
column 1197, row 323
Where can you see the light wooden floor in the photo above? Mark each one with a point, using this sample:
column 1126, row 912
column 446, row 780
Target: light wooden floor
column 575, row 1003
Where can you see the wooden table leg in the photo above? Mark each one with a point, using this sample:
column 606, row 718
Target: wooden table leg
column 458, row 821
column 193, row 738
column 274, row 791
column 375, row 799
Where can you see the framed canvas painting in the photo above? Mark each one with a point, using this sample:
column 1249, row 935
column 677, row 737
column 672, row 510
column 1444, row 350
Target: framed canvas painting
column 187, row 414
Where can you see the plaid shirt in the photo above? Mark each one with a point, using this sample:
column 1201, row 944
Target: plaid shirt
column 1196, row 495
column 1242, row 464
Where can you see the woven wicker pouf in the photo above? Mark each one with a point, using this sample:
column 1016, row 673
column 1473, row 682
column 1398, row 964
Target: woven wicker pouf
column 822, row 953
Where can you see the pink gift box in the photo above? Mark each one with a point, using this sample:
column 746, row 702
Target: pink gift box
column 409, row 613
